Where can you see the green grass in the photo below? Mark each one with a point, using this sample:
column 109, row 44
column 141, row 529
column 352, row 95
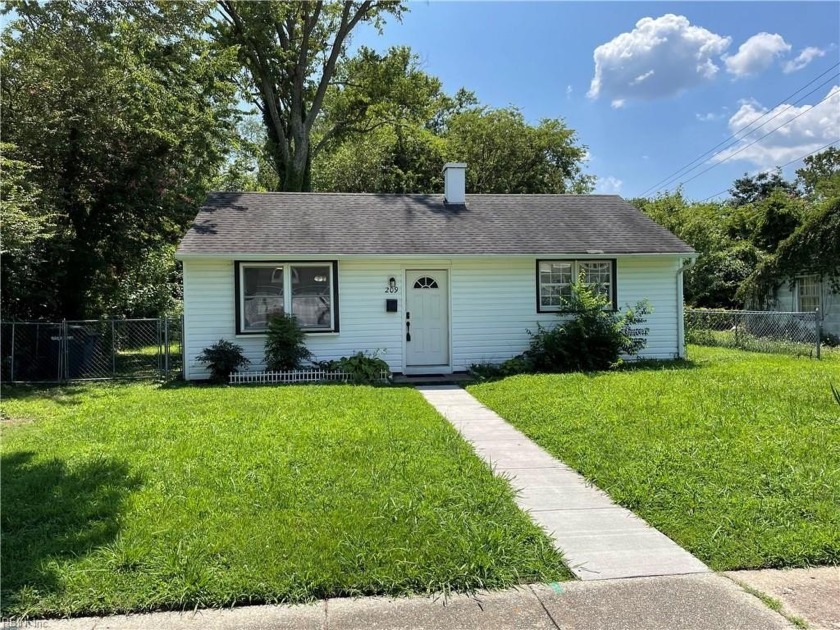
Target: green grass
column 734, row 455
column 135, row 497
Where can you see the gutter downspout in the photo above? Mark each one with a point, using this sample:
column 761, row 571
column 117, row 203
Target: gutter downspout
column 681, row 307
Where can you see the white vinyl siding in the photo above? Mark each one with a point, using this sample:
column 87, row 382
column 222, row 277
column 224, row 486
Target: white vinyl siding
column 493, row 306
column 491, row 302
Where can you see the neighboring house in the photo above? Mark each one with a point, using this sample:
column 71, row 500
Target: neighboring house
column 807, row 293
column 434, row 283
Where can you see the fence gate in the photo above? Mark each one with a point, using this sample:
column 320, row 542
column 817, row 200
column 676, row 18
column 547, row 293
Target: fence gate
column 52, row 352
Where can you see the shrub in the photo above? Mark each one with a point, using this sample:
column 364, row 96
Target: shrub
column 360, row 367
column 593, row 339
column 284, row 345
column 830, row 340
column 223, row 358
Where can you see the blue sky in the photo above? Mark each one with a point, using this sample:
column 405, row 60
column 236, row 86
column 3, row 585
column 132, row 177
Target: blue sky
column 673, row 79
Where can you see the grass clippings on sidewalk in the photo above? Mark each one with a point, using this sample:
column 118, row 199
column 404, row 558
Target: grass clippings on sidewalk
column 734, row 455
column 133, row 497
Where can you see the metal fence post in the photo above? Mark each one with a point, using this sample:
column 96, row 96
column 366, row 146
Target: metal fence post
column 818, row 328
column 113, row 349
column 65, row 351
column 12, row 367
column 166, row 346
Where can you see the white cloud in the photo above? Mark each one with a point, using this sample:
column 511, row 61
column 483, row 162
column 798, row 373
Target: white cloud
column 660, row 57
column 710, row 117
column 805, row 56
column 808, row 128
column 608, row 185
column 569, row 91
column 756, row 54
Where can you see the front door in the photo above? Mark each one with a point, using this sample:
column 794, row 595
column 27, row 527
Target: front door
column 426, row 318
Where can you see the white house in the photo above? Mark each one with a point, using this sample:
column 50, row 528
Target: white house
column 808, row 293
column 434, row 283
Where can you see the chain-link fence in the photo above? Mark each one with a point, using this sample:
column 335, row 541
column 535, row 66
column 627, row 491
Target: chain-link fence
column 758, row 331
column 51, row 352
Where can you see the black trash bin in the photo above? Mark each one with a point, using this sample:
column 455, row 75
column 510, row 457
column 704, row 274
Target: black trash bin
column 82, row 345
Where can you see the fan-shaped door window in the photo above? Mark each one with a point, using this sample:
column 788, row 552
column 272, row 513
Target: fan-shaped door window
column 425, row 283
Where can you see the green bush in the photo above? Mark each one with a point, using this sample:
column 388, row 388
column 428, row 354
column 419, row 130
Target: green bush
column 594, row 338
column 360, row 367
column 284, row 345
column 830, row 340
column 223, row 358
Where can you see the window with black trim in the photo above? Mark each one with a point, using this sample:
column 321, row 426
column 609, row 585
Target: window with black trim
column 555, row 279
column 307, row 290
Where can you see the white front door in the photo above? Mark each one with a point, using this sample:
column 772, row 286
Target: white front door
column 426, row 318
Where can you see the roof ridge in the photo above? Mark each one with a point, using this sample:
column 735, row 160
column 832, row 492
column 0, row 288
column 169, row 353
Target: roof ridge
column 373, row 194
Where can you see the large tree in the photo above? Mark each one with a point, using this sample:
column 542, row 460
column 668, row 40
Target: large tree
column 401, row 136
column 290, row 52
column 753, row 188
column 819, row 176
column 813, row 248
column 509, row 155
column 119, row 108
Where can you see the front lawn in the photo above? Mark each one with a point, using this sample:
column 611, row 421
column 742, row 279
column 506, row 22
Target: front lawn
column 734, row 455
column 136, row 497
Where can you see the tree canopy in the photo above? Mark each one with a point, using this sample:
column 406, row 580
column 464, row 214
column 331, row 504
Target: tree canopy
column 122, row 114
column 769, row 231
column 289, row 53
column 408, row 136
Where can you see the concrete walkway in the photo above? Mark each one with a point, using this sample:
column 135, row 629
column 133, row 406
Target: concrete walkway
column 689, row 602
column 598, row 539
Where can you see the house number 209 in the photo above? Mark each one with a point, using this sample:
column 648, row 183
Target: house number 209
column 392, row 286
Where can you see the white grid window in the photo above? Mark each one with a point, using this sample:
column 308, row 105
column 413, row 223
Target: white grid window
column 808, row 293
column 598, row 275
column 555, row 278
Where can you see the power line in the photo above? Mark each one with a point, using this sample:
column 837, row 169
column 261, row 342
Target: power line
column 802, row 157
column 731, row 155
column 737, row 140
column 735, row 133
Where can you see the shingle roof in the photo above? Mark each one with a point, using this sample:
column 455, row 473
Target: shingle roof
column 346, row 223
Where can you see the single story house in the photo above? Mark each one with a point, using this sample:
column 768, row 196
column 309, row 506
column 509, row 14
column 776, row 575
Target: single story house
column 806, row 294
column 433, row 283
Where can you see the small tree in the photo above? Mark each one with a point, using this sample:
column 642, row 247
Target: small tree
column 223, row 358
column 593, row 339
column 284, row 346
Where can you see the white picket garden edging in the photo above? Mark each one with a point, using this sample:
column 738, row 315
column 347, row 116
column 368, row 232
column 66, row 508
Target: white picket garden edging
column 297, row 376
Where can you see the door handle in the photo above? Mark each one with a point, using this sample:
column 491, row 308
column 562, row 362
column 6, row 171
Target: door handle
column 407, row 330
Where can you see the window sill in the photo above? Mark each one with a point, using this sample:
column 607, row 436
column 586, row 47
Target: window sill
column 559, row 312
column 326, row 333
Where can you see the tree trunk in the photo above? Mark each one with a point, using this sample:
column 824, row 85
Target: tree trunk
column 294, row 178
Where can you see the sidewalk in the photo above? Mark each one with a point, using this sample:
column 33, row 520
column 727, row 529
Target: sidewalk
column 598, row 539
column 689, row 602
